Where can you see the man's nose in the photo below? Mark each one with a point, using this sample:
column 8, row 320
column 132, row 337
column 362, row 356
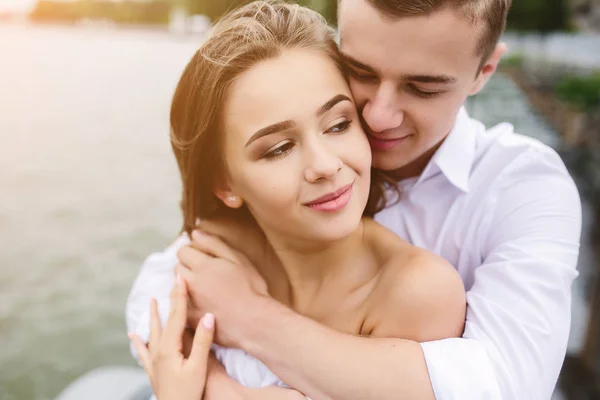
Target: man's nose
column 382, row 112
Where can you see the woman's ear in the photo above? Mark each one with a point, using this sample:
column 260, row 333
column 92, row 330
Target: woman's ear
column 230, row 199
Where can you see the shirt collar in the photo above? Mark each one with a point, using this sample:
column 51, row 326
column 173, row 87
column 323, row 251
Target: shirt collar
column 455, row 156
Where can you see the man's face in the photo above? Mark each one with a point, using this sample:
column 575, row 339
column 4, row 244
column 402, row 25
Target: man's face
column 409, row 77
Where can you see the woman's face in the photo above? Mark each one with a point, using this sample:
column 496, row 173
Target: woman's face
column 294, row 148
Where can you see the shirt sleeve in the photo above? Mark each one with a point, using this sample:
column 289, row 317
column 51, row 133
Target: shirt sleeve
column 155, row 280
column 519, row 307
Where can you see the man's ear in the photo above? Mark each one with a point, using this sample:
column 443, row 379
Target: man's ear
column 488, row 68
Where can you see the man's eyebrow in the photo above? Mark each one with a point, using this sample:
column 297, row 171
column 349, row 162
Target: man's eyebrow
column 429, row 78
column 331, row 103
column 357, row 64
column 444, row 79
column 269, row 130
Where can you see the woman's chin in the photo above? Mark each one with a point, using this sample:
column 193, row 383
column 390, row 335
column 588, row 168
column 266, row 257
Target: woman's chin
column 333, row 226
column 317, row 226
column 331, row 231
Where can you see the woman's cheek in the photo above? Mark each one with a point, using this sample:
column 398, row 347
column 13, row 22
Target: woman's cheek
column 271, row 189
column 359, row 152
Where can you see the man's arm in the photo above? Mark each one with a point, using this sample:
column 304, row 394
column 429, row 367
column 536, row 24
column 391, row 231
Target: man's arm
column 326, row 364
column 517, row 321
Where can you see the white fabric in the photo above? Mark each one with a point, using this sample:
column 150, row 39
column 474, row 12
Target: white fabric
column 504, row 211
column 246, row 369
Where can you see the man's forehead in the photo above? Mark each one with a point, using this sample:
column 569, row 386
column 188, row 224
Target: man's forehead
column 361, row 16
column 441, row 44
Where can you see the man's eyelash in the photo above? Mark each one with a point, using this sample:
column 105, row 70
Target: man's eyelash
column 423, row 94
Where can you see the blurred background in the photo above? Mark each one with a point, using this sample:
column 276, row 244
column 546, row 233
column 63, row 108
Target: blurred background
column 88, row 185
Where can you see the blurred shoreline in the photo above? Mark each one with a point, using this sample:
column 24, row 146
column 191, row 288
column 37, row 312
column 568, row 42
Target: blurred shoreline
column 106, row 26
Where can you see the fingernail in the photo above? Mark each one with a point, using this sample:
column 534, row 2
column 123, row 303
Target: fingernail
column 178, row 279
column 208, row 321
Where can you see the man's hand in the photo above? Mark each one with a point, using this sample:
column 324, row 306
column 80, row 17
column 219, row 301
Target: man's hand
column 223, row 281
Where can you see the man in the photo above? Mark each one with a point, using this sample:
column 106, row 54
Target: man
column 500, row 207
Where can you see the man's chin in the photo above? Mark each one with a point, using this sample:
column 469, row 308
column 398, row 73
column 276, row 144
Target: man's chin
column 387, row 164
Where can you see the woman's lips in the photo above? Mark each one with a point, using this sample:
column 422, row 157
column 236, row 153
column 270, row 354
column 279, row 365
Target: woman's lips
column 334, row 201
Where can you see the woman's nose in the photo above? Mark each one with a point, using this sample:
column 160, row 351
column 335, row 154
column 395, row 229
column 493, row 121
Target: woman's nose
column 322, row 163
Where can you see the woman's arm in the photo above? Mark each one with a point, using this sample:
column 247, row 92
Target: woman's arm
column 220, row 386
column 274, row 393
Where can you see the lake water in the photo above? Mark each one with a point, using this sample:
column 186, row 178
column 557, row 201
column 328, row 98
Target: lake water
column 88, row 188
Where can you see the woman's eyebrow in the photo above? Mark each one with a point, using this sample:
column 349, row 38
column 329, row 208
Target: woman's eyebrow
column 331, row 103
column 288, row 124
column 269, row 130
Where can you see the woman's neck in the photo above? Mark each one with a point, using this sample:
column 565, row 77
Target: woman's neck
column 311, row 268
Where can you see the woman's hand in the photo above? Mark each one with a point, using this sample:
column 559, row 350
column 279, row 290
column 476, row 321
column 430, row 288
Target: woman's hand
column 246, row 238
column 173, row 377
column 222, row 280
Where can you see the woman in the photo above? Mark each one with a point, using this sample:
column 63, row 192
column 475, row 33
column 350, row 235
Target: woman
column 264, row 128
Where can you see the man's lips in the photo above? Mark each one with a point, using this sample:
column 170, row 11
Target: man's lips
column 386, row 138
column 329, row 196
column 387, row 143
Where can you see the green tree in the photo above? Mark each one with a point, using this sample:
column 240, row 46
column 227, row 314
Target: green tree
column 539, row 15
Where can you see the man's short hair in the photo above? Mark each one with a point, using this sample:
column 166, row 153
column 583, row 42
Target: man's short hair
column 488, row 15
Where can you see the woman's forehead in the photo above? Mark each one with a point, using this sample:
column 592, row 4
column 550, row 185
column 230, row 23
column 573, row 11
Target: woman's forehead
column 290, row 87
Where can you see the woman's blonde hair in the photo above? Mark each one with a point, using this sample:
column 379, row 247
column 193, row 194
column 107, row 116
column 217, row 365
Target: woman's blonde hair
column 255, row 32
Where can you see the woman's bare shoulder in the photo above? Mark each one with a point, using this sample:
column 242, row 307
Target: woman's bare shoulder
column 385, row 243
column 418, row 295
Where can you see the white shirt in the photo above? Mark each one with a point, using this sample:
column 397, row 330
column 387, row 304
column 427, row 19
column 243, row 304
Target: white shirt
column 504, row 211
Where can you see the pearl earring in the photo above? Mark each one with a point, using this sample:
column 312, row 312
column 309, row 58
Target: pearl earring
column 231, row 199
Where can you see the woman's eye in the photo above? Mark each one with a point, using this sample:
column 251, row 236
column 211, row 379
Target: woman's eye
column 341, row 127
column 279, row 151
